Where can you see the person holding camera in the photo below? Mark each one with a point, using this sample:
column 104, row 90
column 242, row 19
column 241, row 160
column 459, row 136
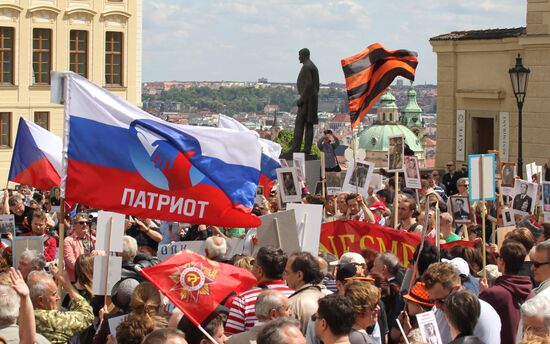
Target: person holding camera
column 328, row 144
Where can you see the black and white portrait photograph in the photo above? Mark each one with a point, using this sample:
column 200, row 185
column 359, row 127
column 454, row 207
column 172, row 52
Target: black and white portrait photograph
column 396, row 151
column 524, row 196
column 508, row 174
column 358, row 177
column 289, row 185
column 460, row 208
column 546, row 197
column 412, row 173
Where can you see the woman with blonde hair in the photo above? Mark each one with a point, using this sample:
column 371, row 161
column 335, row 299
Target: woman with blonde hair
column 365, row 297
column 143, row 318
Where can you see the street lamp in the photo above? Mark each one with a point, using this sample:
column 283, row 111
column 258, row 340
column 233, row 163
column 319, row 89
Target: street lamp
column 519, row 75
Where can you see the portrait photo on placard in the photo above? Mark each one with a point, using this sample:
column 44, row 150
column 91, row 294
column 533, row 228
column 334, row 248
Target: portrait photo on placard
column 299, row 163
column 507, row 217
column 508, row 174
column 289, row 185
column 396, row 151
column 460, row 209
column 412, row 173
column 334, row 182
column 7, row 224
column 546, row 197
column 524, row 196
column 358, row 177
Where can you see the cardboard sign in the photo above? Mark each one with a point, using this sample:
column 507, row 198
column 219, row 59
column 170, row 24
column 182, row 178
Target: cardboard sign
column 289, row 186
column 546, row 197
column 412, row 173
column 101, row 268
column 234, row 246
column 308, row 221
column 21, row 244
column 396, row 152
column 376, row 182
column 170, row 231
column 334, row 182
column 358, row 177
column 428, row 328
column 524, row 197
column 7, row 224
column 114, row 322
column 299, row 163
column 481, row 175
column 113, row 224
column 278, row 230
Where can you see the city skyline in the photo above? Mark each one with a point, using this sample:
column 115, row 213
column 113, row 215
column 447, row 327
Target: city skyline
column 244, row 40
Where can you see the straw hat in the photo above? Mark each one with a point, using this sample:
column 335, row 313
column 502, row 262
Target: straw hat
column 419, row 294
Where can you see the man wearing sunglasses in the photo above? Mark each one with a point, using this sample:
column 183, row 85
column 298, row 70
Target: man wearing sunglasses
column 79, row 243
column 441, row 279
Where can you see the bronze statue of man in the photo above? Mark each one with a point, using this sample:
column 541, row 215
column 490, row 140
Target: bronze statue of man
column 308, row 88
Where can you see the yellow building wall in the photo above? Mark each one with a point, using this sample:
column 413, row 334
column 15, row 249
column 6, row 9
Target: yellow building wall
column 97, row 17
column 472, row 75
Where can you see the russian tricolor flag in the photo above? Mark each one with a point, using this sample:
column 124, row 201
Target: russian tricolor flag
column 270, row 153
column 36, row 159
column 122, row 159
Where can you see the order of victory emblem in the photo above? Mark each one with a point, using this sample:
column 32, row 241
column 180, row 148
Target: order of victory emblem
column 193, row 280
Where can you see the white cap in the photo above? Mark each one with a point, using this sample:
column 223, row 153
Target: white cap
column 349, row 258
column 460, row 265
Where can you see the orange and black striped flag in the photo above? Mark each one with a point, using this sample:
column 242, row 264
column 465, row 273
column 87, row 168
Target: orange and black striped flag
column 370, row 72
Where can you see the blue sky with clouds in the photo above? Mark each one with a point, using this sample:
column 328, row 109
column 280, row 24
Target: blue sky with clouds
column 244, row 40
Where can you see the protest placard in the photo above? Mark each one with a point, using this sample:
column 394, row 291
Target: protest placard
column 102, row 265
column 109, row 232
column 428, row 328
column 460, row 208
column 508, row 174
column 21, row 244
column 412, row 173
column 114, row 322
column 358, row 177
column 278, row 230
column 376, row 182
column 481, row 175
column 234, row 246
column 507, row 218
column 299, row 163
column 170, row 231
column 546, row 197
column 289, row 186
column 396, row 152
column 335, row 180
column 308, row 221
column 7, row 224
column 524, row 197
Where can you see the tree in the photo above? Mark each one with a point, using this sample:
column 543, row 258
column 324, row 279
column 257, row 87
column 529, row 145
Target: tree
column 285, row 140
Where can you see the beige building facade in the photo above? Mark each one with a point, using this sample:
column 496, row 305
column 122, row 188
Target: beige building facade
column 99, row 39
column 476, row 106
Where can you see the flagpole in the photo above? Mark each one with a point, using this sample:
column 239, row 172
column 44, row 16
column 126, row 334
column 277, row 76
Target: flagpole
column 323, row 175
column 395, row 202
column 354, row 149
column 206, row 334
column 483, row 234
column 108, row 253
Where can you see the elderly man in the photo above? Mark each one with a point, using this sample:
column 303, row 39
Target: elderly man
column 441, row 279
column 30, row 260
column 80, row 242
column 215, row 248
column 270, row 305
column 281, row 331
column 39, row 227
column 55, row 325
column 303, row 274
column 268, row 269
column 15, row 304
column 446, row 228
column 15, row 205
column 536, row 316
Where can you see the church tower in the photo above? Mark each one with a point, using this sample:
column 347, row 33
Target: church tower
column 411, row 115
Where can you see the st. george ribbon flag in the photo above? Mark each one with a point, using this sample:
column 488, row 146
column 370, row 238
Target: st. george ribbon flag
column 270, row 153
column 122, row 159
column 370, row 72
column 36, row 159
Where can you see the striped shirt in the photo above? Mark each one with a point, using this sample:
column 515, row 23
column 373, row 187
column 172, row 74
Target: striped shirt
column 242, row 315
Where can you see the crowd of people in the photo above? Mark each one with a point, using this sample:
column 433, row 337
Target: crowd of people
column 300, row 297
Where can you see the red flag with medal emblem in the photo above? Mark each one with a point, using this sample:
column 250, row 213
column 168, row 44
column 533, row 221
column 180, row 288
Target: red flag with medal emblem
column 197, row 285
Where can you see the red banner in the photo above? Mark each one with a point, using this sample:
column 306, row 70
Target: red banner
column 339, row 237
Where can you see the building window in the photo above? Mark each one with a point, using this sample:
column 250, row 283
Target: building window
column 6, row 55
column 42, row 55
column 113, row 58
column 5, row 129
column 42, row 118
column 78, row 62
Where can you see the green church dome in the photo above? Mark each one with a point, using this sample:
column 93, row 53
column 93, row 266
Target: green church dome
column 411, row 115
column 375, row 137
column 387, row 101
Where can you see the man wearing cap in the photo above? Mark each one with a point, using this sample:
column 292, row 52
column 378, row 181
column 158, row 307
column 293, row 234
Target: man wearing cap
column 378, row 209
column 463, row 269
column 441, row 279
column 352, row 258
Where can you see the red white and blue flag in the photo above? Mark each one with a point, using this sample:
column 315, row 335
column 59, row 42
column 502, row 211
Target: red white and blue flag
column 270, row 153
column 36, row 159
column 122, row 159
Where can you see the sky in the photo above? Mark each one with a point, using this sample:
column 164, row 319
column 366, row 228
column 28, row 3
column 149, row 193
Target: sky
column 243, row 40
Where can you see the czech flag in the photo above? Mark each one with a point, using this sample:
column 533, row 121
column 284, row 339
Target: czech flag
column 36, row 159
column 270, row 153
column 125, row 160
column 197, row 285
